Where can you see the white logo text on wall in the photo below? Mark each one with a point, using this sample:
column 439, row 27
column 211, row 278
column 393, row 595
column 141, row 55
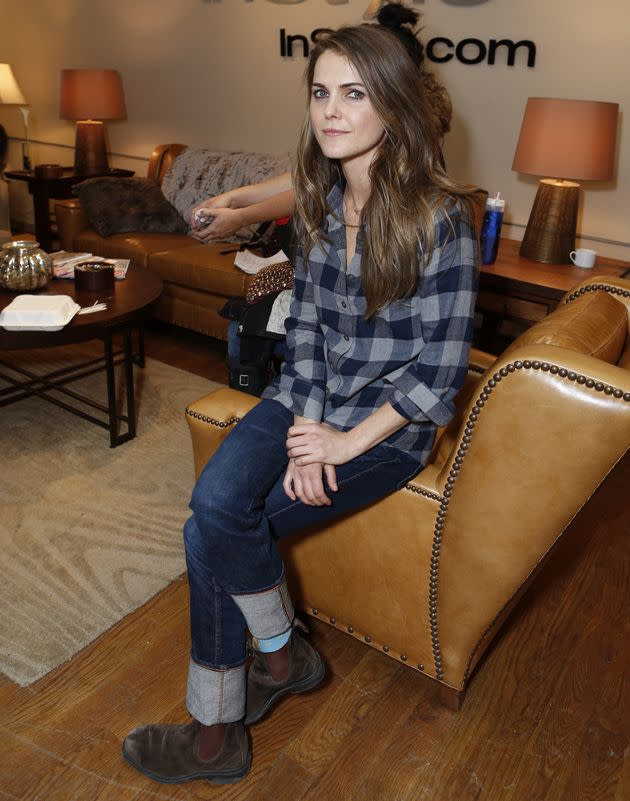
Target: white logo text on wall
column 440, row 49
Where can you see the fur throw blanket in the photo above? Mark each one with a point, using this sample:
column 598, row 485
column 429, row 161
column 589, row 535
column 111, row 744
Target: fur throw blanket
column 198, row 173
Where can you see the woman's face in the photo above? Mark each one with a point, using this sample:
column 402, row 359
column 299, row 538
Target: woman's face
column 343, row 118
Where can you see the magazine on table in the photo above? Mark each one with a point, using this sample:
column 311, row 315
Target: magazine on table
column 64, row 263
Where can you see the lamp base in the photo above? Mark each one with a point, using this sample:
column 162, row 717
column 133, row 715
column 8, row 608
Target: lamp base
column 550, row 233
column 90, row 153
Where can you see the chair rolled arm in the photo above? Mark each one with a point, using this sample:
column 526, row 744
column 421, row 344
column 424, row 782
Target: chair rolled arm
column 619, row 288
column 212, row 417
column 529, row 454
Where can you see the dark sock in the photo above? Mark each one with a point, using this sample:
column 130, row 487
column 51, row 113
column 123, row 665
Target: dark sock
column 211, row 740
column 278, row 663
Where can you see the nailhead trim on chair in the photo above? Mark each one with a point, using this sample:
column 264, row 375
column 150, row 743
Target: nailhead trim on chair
column 614, row 290
column 211, row 421
column 360, row 636
column 505, row 371
column 427, row 493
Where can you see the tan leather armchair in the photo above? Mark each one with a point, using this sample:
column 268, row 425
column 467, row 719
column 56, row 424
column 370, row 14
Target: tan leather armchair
column 429, row 574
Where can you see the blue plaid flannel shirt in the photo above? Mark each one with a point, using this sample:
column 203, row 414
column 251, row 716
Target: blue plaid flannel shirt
column 413, row 353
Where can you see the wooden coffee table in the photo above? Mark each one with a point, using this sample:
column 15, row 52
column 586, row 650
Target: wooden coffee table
column 128, row 306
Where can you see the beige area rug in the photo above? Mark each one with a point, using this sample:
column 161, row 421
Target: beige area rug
column 87, row 532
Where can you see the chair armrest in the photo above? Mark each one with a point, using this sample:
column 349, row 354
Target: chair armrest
column 619, row 288
column 161, row 160
column 212, row 417
column 542, row 431
column 71, row 220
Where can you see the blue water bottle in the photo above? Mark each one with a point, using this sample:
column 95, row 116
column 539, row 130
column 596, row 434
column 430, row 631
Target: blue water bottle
column 491, row 230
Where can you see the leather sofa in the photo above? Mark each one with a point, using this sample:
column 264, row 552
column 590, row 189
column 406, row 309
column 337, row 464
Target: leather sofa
column 198, row 279
column 429, row 574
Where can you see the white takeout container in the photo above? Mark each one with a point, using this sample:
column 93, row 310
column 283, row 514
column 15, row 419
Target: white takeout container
column 38, row 313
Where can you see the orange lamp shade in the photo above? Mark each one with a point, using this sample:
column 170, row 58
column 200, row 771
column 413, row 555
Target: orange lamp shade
column 91, row 95
column 567, row 139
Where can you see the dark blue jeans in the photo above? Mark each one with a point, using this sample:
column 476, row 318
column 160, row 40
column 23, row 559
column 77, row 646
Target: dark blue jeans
column 235, row 572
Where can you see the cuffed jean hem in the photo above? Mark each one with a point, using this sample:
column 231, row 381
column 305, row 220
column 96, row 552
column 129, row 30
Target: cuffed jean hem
column 268, row 612
column 216, row 695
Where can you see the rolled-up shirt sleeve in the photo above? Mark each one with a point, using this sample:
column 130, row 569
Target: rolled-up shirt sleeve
column 426, row 388
column 302, row 384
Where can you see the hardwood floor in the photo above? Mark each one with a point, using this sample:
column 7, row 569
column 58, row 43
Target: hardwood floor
column 546, row 717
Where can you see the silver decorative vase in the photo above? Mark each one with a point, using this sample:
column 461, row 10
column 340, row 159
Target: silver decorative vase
column 23, row 266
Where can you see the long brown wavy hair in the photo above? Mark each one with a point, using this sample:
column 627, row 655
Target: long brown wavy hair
column 408, row 182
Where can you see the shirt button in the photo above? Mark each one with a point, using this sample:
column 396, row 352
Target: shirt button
column 346, row 337
column 344, row 304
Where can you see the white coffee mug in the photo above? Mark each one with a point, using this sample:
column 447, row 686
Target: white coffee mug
column 583, row 257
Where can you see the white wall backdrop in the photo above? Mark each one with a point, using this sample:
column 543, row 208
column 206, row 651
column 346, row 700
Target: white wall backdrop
column 209, row 72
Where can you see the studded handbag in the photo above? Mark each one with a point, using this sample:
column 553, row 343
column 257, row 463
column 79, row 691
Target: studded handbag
column 271, row 279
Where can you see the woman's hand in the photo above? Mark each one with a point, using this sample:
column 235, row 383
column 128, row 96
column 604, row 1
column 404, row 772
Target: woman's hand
column 202, row 213
column 223, row 223
column 226, row 200
column 318, row 443
column 306, row 484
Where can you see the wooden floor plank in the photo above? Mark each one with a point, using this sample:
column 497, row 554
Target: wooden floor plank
column 372, row 720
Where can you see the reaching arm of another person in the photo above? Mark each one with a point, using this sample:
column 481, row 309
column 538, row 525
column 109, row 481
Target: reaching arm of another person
column 245, row 205
column 226, row 221
column 249, row 194
column 256, row 193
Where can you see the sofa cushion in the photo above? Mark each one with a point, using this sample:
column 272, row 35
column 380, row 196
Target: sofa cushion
column 199, row 173
column 594, row 324
column 135, row 246
column 202, row 268
column 119, row 205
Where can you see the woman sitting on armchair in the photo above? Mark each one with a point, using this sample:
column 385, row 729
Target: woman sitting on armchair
column 377, row 348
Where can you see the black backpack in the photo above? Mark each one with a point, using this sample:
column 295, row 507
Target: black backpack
column 255, row 366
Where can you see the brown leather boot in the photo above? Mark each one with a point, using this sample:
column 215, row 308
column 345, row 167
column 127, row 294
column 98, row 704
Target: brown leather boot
column 306, row 670
column 169, row 753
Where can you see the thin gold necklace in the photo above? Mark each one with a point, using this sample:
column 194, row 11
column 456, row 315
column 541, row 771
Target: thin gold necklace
column 347, row 207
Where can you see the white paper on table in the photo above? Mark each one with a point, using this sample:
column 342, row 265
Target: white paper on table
column 251, row 264
column 60, row 258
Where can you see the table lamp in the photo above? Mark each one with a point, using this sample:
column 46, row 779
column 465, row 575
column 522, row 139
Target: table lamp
column 566, row 139
column 89, row 97
column 10, row 94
